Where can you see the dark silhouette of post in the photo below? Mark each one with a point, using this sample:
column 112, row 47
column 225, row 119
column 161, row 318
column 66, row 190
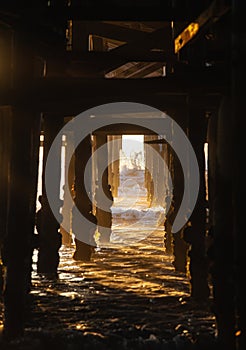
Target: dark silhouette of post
column 49, row 239
column 17, row 244
column 47, row 225
column 196, row 233
column 84, row 249
column 103, row 195
column 84, row 231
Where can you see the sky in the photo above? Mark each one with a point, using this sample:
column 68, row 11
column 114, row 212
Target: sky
column 132, row 143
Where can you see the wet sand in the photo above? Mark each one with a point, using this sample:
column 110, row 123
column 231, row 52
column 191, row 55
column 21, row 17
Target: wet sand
column 127, row 297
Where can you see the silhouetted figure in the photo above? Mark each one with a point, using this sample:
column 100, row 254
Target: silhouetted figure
column 49, row 239
column 84, row 236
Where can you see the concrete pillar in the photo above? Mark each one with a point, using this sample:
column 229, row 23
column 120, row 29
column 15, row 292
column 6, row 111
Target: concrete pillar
column 146, row 171
column 110, row 157
column 149, row 168
column 238, row 144
column 18, row 241
column 83, row 250
column 114, row 166
column 23, row 156
column 169, row 215
column 5, row 137
column 168, row 236
column 69, row 183
column 223, row 264
column 155, row 172
column 196, row 233
column 180, row 247
column 48, row 227
column 94, row 172
column 103, row 212
column 158, row 171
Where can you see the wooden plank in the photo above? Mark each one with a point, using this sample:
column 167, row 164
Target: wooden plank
column 213, row 13
column 62, row 89
column 114, row 31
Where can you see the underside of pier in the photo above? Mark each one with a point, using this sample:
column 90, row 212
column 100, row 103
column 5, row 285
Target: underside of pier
column 121, row 189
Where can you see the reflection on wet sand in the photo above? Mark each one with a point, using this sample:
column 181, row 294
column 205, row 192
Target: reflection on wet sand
column 125, row 292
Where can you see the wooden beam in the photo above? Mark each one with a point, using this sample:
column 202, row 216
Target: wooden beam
column 114, row 31
column 114, row 55
column 159, row 39
column 206, row 80
column 153, row 10
column 213, row 13
column 51, row 90
column 135, row 70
